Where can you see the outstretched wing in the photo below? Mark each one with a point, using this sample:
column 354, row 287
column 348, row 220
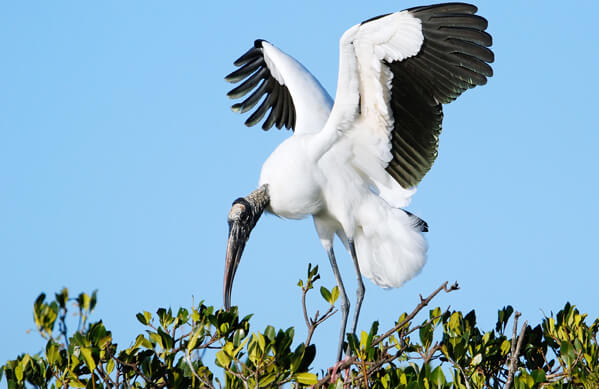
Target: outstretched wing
column 395, row 73
column 284, row 87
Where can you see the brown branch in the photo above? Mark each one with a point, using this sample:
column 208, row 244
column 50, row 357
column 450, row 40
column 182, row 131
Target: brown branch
column 423, row 303
column 304, row 292
column 419, row 307
column 125, row 380
column 317, row 321
column 138, row 372
column 431, row 352
column 516, row 344
column 455, row 364
column 376, row 365
column 550, row 377
column 188, row 360
column 311, row 324
column 100, row 368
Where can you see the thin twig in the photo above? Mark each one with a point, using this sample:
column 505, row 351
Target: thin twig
column 105, row 375
column 376, row 365
column 516, row 344
column 311, row 324
column 317, row 321
column 138, row 372
column 455, row 364
column 304, row 292
column 193, row 371
column 419, row 307
column 423, row 303
column 431, row 352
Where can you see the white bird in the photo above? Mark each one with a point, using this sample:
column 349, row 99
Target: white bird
column 355, row 163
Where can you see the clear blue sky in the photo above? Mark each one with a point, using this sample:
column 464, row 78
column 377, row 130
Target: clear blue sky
column 120, row 157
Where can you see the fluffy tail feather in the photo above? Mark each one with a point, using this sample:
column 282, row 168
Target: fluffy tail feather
column 389, row 243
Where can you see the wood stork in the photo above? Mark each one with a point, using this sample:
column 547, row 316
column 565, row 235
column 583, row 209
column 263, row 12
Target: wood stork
column 354, row 164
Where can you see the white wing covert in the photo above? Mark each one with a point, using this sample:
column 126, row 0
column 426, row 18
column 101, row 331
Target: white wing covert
column 395, row 72
column 294, row 97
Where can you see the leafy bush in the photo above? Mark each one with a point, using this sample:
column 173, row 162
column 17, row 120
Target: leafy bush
column 445, row 350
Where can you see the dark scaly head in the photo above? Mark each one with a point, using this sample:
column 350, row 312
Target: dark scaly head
column 242, row 218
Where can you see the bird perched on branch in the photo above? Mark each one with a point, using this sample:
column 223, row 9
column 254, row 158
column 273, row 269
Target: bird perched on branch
column 353, row 164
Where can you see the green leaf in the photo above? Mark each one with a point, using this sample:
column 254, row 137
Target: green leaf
column 306, row 378
column 222, row 359
column 25, row 361
column 62, row 297
column 110, row 366
column 567, row 352
column 538, row 376
column 238, row 335
column 142, row 319
column 297, row 356
column 105, row 341
column 334, row 294
column 435, row 315
column 269, row 332
column 240, row 347
column 156, row 338
column 266, row 381
column 142, row 341
column 183, row 315
column 87, row 356
column 167, row 339
column 354, row 345
column 426, row 335
column 19, row 372
column 312, row 272
column 52, row 353
column 261, row 342
column 454, row 324
column 165, row 317
column 363, row 339
column 437, row 377
column 373, row 331
column 84, row 301
column 503, row 316
column 93, row 300
column 193, row 340
column 74, row 381
column 325, row 294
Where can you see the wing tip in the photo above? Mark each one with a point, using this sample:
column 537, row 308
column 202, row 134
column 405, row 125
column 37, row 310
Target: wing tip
column 258, row 43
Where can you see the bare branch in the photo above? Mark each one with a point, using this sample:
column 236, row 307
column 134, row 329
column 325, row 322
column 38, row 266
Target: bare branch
column 516, row 344
column 455, row 364
column 193, row 371
column 304, row 292
column 137, row 371
column 419, row 307
column 423, row 303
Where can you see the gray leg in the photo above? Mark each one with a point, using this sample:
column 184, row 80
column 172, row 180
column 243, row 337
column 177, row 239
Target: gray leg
column 344, row 302
column 360, row 290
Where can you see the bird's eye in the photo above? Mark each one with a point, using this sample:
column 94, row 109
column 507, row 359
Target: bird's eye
column 245, row 216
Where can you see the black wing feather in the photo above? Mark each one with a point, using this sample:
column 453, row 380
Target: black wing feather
column 259, row 78
column 454, row 57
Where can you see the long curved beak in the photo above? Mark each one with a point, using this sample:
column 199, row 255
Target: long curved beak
column 235, row 245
